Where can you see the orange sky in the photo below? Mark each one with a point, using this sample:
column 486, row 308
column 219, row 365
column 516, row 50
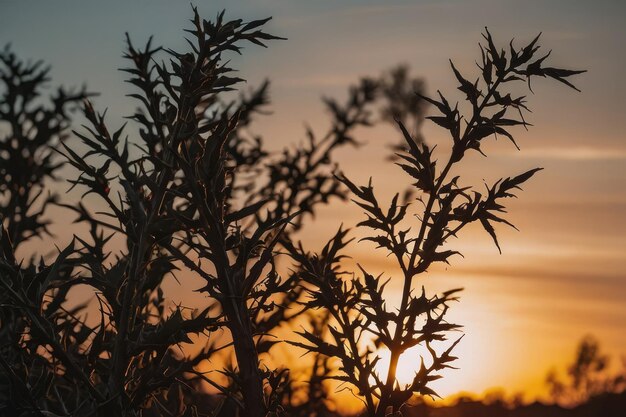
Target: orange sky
column 559, row 278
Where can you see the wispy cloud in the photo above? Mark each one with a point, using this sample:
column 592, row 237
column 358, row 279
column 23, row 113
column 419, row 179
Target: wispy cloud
column 614, row 281
column 577, row 153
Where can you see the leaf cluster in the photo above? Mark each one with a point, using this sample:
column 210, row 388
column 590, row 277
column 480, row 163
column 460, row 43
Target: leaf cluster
column 356, row 300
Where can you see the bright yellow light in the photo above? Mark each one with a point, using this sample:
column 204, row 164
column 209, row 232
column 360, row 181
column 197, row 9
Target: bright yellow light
column 408, row 364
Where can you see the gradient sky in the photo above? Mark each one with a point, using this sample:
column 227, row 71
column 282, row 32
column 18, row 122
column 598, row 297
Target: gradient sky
column 561, row 277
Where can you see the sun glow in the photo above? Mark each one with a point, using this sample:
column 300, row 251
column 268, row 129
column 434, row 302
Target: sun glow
column 408, row 364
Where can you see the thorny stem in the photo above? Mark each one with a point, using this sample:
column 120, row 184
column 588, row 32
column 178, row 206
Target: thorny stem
column 413, row 269
column 119, row 352
column 58, row 350
column 343, row 319
column 234, row 305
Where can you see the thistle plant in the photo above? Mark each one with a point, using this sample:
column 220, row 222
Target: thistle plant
column 190, row 193
column 126, row 362
column 32, row 127
column 362, row 321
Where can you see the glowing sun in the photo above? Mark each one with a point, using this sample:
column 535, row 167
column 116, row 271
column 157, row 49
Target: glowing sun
column 408, row 364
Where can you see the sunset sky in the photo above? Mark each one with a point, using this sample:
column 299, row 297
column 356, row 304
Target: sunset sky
column 562, row 276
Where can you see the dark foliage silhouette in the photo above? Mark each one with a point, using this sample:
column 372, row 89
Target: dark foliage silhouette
column 587, row 377
column 194, row 195
column 32, row 129
column 356, row 301
column 191, row 198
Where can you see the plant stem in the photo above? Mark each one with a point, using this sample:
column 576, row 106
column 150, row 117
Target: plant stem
column 413, row 268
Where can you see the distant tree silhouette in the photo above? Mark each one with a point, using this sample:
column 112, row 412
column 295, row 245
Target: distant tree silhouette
column 588, row 376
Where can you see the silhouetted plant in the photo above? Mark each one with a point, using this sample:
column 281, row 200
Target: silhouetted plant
column 362, row 321
column 309, row 395
column 120, row 365
column 32, row 128
column 197, row 193
column 403, row 103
